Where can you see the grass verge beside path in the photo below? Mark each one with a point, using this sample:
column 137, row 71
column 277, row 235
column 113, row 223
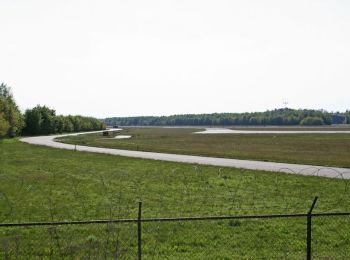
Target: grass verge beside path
column 312, row 149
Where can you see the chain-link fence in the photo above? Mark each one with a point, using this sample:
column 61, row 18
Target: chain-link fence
column 331, row 236
column 85, row 241
column 280, row 236
column 49, row 215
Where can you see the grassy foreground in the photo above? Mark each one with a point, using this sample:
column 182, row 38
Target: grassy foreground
column 43, row 184
column 313, row 149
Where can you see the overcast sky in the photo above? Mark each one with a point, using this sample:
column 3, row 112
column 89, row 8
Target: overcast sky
column 123, row 58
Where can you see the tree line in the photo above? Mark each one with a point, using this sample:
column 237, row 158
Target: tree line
column 42, row 120
column 39, row 120
column 283, row 116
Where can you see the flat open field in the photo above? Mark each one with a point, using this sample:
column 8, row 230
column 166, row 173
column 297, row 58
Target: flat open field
column 294, row 128
column 314, row 149
column 44, row 184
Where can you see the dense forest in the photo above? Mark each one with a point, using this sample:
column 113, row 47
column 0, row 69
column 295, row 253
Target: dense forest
column 39, row 120
column 42, row 120
column 283, row 116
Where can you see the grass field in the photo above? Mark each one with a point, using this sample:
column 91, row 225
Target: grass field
column 43, row 184
column 314, row 149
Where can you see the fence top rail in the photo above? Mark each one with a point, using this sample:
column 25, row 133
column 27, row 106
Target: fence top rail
column 112, row 221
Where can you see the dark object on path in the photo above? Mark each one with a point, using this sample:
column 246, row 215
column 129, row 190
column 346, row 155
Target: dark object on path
column 105, row 133
column 115, row 126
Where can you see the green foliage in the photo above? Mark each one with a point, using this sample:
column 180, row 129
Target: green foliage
column 42, row 120
column 39, row 120
column 312, row 121
column 4, row 125
column 283, row 116
column 11, row 119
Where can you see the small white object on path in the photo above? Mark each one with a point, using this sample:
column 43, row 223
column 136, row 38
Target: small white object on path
column 122, row 137
column 331, row 172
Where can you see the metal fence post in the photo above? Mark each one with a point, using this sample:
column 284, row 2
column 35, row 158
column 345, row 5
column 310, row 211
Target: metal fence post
column 309, row 230
column 139, row 252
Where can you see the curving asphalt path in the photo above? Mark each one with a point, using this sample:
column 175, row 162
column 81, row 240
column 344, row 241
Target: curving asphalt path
column 342, row 173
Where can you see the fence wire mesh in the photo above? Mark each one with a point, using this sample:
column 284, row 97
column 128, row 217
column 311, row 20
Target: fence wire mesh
column 96, row 241
column 255, row 237
column 225, row 239
column 331, row 237
column 51, row 197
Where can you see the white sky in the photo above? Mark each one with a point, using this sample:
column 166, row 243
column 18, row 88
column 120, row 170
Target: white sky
column 123, row 58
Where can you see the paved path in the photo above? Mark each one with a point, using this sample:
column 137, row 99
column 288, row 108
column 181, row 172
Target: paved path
column 244, row 164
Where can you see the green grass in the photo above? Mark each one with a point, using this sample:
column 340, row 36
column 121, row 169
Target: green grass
column 43, row 184
column 313, row 149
